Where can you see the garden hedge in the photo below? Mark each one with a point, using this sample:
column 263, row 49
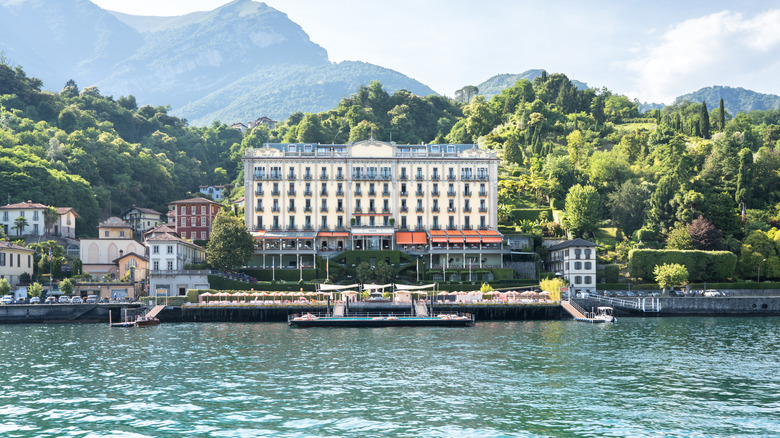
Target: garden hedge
column 702, row 265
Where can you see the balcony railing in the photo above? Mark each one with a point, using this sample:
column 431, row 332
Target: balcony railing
column 323, row 209
column 420, row 209
column 451, row 177
column 307, row 176
column 420, row 178
column 276, row 209
column 483, row 209
column 385, row 209
column 482, row 193
column 339, row 192
column 450, row 209
column 404, row 209
column 307, row 210
column 259, row 193
column 371, row 193
column 435, row 177
column 467, row 193
column 404, row 193
column 358, row 209
column 307, row 193
column 291, row 193
column 291, row 176
column 482, row 177
column 435, row 193
column 403, row 177
column 467, row 209
column 435, row 209
column 385, row 193
column 259, row 208
column 323, row 193
column 451, row 193
column 419, row 193
column 339, row 209
column 275, row 192
column 324, row 176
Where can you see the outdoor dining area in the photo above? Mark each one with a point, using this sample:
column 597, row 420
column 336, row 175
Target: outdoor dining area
column 496, row 297
column 263, row 298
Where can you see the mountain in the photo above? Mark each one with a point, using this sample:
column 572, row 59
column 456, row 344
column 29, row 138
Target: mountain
column 735, row 100
column 236, row 63
column 495, row 84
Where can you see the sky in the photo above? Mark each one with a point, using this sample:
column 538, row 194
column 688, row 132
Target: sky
column 652, row 51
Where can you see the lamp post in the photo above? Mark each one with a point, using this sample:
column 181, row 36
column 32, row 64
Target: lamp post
column 758, row 276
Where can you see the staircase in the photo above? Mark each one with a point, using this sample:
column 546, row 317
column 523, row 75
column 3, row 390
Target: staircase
column 155, row 311
column 338, row 308
column 421, row 309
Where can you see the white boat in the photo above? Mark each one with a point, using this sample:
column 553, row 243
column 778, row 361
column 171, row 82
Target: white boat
column 604, row 314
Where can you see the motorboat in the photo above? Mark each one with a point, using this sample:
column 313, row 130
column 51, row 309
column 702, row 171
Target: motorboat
column 604, row 314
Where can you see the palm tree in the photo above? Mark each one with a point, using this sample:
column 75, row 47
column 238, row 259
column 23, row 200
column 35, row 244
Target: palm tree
column 19, row 224
column 50, row 217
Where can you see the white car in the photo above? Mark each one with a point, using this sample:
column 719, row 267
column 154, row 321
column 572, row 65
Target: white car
column 64, row 299
column 35, row 300
column 76, row 300
column 7, row 299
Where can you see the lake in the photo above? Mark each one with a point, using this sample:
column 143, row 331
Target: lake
column 641, row 377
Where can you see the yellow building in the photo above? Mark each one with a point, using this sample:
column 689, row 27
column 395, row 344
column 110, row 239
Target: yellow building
column 436, row 200
column 15, row 261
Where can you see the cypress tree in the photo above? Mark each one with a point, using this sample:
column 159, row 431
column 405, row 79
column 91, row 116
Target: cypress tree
column 722, row 116
column 704, row 121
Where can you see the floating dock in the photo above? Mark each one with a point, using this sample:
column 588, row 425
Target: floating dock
column 375, row 320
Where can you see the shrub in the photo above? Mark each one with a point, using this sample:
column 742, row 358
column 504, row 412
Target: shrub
column 701, row 265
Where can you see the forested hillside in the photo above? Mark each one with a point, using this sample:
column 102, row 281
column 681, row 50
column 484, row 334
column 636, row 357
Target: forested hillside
column 100, row 155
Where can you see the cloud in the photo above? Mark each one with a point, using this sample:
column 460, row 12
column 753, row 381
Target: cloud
column 723, row 48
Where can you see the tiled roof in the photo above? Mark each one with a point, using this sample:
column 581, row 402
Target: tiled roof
column 571, row 243
column 8, row 245
column 143, row 210
column 128, row 255
column 241, row 199
column 64, row 210
column 23, row 205
column 198, row 200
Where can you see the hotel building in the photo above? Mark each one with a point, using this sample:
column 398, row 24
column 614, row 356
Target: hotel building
column 437, row 201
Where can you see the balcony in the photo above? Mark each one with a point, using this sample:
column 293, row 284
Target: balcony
column 291, row 177
column 483, row 227
column 467, row 193
column 358, row 193
column 307, row 227
column 385, row 209
column 259, row 175
column 404, row 209
column 308, row 176
column 435, row 193
column 275, row 176
column 339, row 209
column 386, row 193
column 467, row 227
column 404, row 193
column 420, row 209
column 483, row 193
column 420, row 177
column 291, row 193
column 451, row 210
column 307, row 193
column 435, row 209
column 259, row 193
column 435, row 227
column 483, row 209
column 358, row 209
column 419, row 228
column 275, row 193
column 307, row 210
column 339, row 192
column 323, row 209
column 276, row 209
column 276, row 228
column 451, row 177
column 451, row 193
column 482, row 177
column 403, row 177
column 292, row 228
column 419, row 193
column 259, row 208
column 452, row 227
column 467, row 209
column 324, row 176
column 371, row 193
column 466, row 178
column 435, row 177
column 339, row 227
column 371, row 210
column 323, row 193
column 340, row 177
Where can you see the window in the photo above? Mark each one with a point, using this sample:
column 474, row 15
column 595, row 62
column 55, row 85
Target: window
column 35, row 215
column 587, row 253
column 21, row 214
column 170, row 249
column 105, row 233
column 155, row 249
column 577, row 280
column 183, row 210
column 577, row 265
column 577, row 253
column 419, row 221
column 587, row 279
column 170, row 266
column 340, row 222
column 193, row 209
column 121, row 234
column 203, row 209
column 193, row 221
column 588, row 265
column 403, row 221
column 292, row 221
column 202, row 235
column 5, row 215
column 156, row 266
column 35, row 229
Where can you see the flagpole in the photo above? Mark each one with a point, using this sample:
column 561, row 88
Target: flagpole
column 273, row 268
column 300, row 267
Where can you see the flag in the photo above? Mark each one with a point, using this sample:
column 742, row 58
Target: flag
column 327, row 267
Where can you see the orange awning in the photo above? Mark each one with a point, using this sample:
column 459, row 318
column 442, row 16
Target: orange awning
column 419, row 238
column 489, row 233
column 439, row 239
column 472, row 239
column 340, row 234
column 324, row 234
column 491, row 240
column 404, row 238
column 455, row 236
column 470, row 232
column 438, row 233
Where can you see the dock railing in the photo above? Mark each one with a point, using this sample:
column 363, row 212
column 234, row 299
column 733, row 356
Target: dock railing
column 647, row 305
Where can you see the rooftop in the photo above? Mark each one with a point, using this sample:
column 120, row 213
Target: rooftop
column 573, row 243
column 198, row 200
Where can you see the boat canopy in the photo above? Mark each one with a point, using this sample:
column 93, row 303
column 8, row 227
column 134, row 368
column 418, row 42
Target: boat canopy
column 376, row 286
column 406, row 287
column 336, row 286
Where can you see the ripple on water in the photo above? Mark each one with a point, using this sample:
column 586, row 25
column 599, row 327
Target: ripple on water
column 713, row 377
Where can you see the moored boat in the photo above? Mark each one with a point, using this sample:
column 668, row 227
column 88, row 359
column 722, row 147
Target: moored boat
column 368, row 320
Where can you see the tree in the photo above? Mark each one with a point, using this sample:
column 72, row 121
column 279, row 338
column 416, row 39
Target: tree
column 704, row 235
column 670, row 274
column 577, row 147
column 704, row 121
column 66, row 286
column 383, row 272
column 583, row 209
column 661, row 213
column 19, row 223
column 512, row 152
column 627, row 206
column 553, row 285
column 231, row 246
column 5, row 288
column 721, row 116
column 50, row 217
column 35, row 290
column 679, row 239
column 364, row 273
column 742, row 194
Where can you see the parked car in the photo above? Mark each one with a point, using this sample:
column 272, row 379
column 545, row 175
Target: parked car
column 713, row 293
column 76, row 300
column 35, row 300
column 50, row 300
column 7, row 299
column 64, row 299
column 91, row 299
column 22, row 300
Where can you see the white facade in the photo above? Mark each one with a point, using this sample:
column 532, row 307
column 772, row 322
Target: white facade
column 168, row 257
column 215, row 192
column 115, row 240
column 30, row 211
column 575, row 261
column 66, row 222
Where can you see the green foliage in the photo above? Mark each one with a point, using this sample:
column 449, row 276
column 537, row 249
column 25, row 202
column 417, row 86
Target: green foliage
column 5, row 288
column 583, row 209
column 611, row 273
column 35, row 290
column 553, row 285
column 66, row 287
column 702, row 265
column 230, row 246
column 364, row 273
column 670, row 274
column 485, row 288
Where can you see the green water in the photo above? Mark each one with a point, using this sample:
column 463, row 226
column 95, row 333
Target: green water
column 687, row 377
